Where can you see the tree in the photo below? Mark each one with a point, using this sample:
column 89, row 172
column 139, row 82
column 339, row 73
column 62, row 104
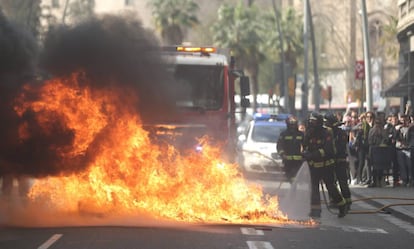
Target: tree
column 390, row 34
column 78, row 10
column 282, row 30
column 173, row 17
column 238, row 28
column 292, row 28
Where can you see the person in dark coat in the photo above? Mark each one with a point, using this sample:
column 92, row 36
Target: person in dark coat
column 289, row 147
column 319, row 152
column 341, row 164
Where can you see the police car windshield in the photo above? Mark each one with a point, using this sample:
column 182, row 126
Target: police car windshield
column 266, row 133
column 199, row 86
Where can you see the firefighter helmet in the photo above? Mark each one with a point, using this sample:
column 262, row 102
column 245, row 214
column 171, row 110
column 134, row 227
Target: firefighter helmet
column 315, row 120
column 330, row 120
column 292, row 122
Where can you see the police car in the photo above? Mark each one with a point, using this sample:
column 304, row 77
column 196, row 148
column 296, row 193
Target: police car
column 258, row 142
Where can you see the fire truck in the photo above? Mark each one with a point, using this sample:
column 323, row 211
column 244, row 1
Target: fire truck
column 204, row 86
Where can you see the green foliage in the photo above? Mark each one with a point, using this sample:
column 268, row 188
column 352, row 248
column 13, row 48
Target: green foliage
column 81, row 9
column 292, row 29
column 252, row 36
column 173, row 17
column 239, row 28
column 390, row 34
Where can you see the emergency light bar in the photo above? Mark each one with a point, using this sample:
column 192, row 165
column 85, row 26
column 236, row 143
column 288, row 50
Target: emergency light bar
column 196, row 49
column 270, row 117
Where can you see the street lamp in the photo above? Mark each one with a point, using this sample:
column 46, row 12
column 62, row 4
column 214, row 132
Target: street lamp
column 367, row 59
column 411, row 49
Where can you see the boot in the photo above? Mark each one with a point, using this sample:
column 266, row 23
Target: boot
column 315, row 214
column 342, row 210
column 348, row 204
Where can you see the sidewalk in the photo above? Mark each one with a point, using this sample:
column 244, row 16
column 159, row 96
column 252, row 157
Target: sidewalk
column 386, row 199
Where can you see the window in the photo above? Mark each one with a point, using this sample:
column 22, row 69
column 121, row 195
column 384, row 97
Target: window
column 199, row 86
column 266, row 133
column 403, row 10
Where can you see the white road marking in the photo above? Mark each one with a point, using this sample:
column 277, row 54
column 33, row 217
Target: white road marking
column 259, row 245
column 400, row 223
column 251, row 231
column 50, row 241
column 364, row 229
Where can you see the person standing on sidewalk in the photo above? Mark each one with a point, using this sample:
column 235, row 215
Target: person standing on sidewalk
column 390, row 128
column 379, row 153
column 403, row 149
column 353, row 125
column 341, row 164
column 319, row 152
column 367, row 122
column 410, row 170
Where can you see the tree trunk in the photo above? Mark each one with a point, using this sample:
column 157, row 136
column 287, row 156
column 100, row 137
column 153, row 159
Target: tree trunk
column 65, row 10
column 254, row 73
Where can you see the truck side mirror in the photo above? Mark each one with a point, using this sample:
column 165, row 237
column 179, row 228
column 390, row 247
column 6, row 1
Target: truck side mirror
column 244, row 86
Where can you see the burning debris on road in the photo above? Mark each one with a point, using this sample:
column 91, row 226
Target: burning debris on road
column 80, row 131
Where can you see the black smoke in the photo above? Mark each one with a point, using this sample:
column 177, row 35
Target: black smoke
column 18, row 58
column 113, row 52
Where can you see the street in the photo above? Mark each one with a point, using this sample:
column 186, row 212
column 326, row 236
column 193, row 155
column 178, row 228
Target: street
column 209, row 236
column 376, row 230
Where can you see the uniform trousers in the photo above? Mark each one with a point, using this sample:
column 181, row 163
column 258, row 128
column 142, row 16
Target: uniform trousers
column 327, row 175
column 341, row 171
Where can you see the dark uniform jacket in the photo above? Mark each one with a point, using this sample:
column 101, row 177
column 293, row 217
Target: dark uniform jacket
column 320, row 147
column 341, row 143
column 289, row 145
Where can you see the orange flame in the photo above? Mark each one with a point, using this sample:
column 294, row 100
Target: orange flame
column 128, row 174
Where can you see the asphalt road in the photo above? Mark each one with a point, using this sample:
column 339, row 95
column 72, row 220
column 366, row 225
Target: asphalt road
column 353, row 231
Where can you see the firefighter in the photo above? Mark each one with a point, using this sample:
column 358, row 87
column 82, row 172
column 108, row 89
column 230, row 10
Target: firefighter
column 289, row 147
column 319, row 152
column 341, row 164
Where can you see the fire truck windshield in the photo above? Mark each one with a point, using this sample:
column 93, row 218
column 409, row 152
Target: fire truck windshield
column 199, row 86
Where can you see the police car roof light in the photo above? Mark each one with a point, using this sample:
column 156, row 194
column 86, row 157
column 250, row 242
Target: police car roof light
column 270, row 117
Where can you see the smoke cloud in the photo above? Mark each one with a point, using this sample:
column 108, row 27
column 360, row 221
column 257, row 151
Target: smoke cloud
column 113, row 52
column 18, row 57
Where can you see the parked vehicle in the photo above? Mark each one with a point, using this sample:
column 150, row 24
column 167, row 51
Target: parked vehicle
column 257, row 146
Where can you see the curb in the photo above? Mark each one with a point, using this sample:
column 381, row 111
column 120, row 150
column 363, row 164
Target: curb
column 390, row 210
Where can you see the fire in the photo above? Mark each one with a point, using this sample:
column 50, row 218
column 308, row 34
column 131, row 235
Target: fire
column 126, row 173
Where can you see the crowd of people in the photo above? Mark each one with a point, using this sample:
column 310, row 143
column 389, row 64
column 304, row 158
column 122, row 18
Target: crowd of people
column 369, row 149
column 380, row 148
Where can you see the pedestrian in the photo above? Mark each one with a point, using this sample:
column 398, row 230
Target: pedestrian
column 289, row 147
column 319, row 152
column 341, row 164
column 362, row 147
column 391, row 123
column 379, row 152
column 350, row 126
column 410, row 170
column 403, row 149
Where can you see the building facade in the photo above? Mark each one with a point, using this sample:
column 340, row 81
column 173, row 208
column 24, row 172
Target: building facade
column 403, row 85
column 338, row 31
